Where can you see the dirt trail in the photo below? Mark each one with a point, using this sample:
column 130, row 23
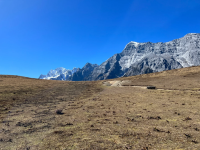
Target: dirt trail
column 128, row 83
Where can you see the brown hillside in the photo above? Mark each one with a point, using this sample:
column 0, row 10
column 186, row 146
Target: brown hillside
column 95, row 116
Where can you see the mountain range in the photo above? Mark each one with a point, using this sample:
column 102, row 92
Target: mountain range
column 137, row 58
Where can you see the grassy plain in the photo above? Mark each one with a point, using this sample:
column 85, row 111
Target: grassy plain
column 102, row 117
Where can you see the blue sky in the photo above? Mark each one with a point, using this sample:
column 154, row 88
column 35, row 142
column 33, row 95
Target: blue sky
column 39, row 35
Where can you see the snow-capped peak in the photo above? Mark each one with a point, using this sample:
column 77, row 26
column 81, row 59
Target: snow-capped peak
column 58, row 72
column 136, row 44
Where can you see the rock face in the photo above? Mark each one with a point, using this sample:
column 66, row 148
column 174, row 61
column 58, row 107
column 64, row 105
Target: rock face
column 153, row 63
column 142, row 58
column 109, row 69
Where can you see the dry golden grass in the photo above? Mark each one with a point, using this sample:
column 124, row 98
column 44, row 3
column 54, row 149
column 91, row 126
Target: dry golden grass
column 102, row 117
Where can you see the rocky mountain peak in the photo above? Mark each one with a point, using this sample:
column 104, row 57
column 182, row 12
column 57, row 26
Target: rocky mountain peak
column 89, row 66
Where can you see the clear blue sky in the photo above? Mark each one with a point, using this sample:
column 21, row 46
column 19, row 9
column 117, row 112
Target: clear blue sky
column 39, row 35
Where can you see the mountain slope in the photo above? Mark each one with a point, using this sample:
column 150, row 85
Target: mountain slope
column 153, row 63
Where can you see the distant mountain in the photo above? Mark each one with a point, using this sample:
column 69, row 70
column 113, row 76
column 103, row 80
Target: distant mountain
column 58, row 74
column 140, row 58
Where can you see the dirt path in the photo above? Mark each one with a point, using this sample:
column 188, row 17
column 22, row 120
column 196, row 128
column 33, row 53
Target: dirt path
column 128, row 83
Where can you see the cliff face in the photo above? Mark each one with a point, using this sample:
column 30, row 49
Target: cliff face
column 153, row 63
